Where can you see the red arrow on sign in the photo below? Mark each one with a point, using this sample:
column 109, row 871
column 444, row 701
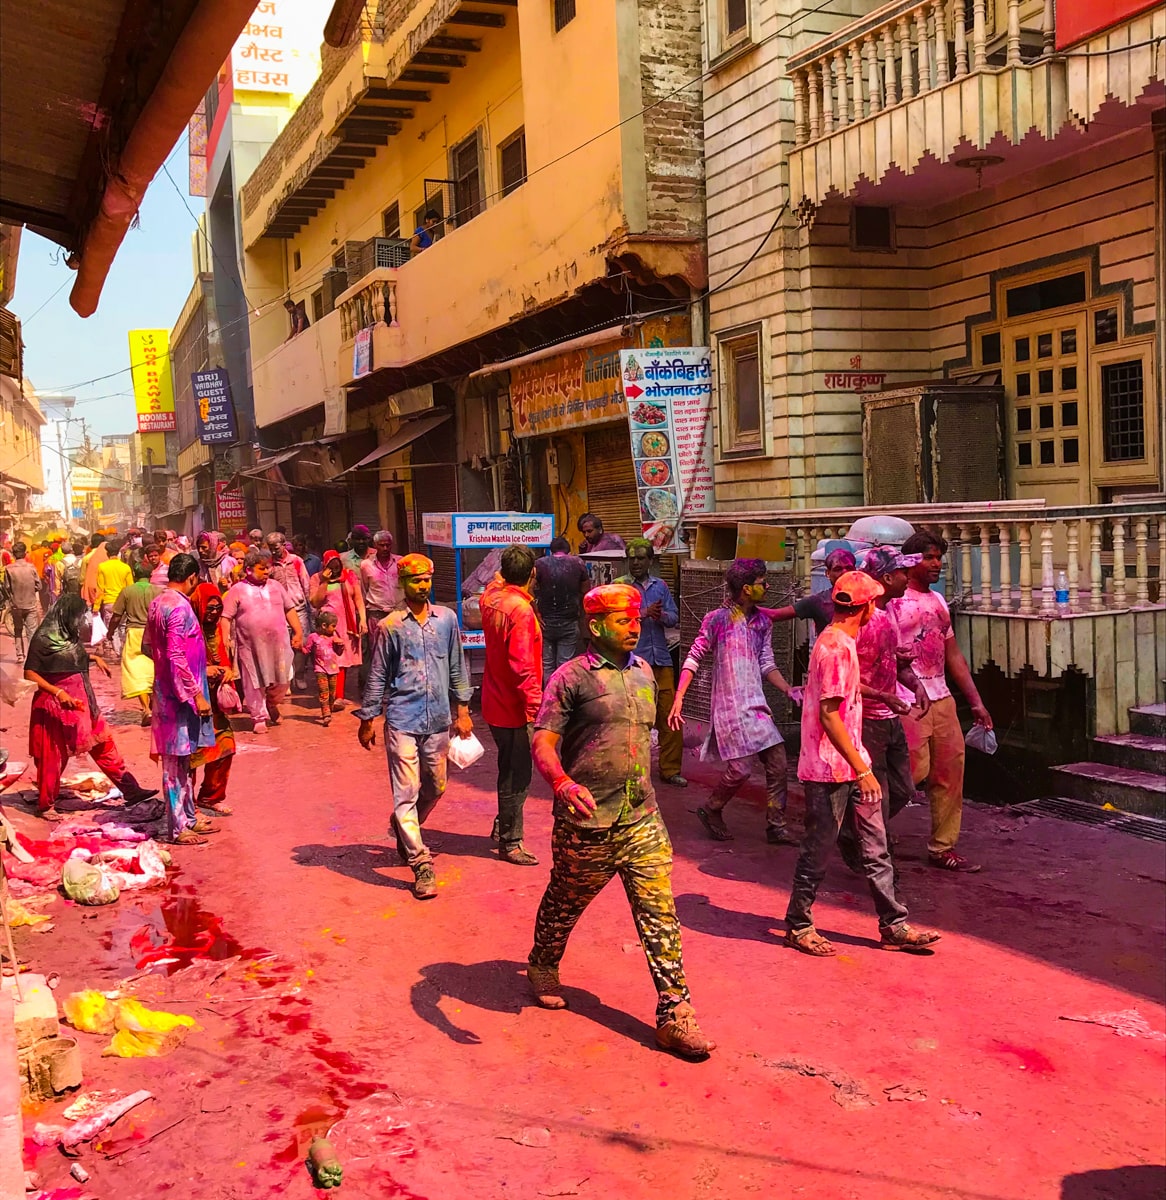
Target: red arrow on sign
column 632, row 391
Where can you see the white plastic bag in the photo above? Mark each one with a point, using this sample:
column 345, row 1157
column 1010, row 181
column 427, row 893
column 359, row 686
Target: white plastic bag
column 465, row 751
column 97, row 630
column 981, row 738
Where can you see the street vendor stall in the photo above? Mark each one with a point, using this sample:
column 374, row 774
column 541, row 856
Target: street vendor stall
column 483, row 531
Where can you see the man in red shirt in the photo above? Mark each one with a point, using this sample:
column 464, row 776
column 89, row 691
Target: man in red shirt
column 512, row 690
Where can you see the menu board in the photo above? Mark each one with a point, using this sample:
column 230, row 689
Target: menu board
column 669, row 395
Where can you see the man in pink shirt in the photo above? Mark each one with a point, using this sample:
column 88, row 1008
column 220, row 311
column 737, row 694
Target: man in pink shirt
column 512, row 691
column 378, row 577
column 838, row 781
column 935, row 738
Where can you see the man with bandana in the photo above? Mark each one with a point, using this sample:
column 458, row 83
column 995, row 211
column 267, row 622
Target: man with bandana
column 417, row 662
column 592, row 743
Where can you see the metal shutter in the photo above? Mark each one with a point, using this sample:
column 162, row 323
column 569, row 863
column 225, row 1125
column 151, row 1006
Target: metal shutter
column 611, row 480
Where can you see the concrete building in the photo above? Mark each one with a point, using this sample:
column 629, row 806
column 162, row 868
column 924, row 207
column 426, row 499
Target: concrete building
column 936, row 252
column 565, row 173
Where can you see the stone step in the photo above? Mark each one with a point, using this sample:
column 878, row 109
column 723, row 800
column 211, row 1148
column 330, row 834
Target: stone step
column 1101, row 784
column 1134, row 751
column 1149, row 718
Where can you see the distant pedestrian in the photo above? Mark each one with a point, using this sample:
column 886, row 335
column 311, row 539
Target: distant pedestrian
column 113, row 577
column 215, row 563
column 592, row 744
column 289, row 571
column 337, row 589
column 65, row 719
column 323, row 648
column 417, row 664
column 817, row 606
column 379, row 581
column 927, row 639
column 214, row 761
column 128, row 618
column 561, row 581
column 257, row 614
column 594, row 538
column 658, row 612
column 512, row 692
column 359, row 548
column 181, row 722
column 736, row 641
column 24, row 586
column 90, row 561
column 312, row 561
column 838, row 781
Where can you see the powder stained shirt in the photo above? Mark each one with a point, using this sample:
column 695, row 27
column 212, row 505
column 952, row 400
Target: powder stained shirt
column 414, row 669
column 739, row 651
column 653, row 644
column 605, row 715
column 322, row 652
column 833, row 675
column 382, row 587
column 878, row 663
column 512, row 682
column 924, row 625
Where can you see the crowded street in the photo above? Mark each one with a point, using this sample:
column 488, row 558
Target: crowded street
column 408, row 1030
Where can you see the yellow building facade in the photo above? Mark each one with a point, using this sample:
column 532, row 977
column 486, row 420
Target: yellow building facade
column 568, row 181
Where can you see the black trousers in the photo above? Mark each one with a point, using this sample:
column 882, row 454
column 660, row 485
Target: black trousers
column 514, row 771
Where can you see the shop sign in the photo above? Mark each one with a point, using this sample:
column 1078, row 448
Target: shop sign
column 362, row 354
column 437, row 529
column 669, row 397
column 566, row 391
column 231, row 506
column 215, row 409
column 153, row 383
column 503, row 529
column 277, row 50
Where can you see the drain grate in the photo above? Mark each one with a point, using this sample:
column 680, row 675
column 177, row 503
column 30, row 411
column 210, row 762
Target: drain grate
column 1149, row 829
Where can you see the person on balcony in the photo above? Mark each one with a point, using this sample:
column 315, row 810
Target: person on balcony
column 424, row 236
column 737, row 642
column 935, row 737
column 297, row 315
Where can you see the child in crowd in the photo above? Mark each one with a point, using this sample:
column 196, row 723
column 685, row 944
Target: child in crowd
column 324, row 649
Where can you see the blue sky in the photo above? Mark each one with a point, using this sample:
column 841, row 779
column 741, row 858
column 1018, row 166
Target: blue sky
column 146, row 288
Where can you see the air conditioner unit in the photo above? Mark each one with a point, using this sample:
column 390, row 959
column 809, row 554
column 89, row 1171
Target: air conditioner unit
column 390, row 252
column 335, row 284
column 933, row 443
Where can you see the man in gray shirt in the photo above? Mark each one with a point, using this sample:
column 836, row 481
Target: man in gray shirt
column 25, row 585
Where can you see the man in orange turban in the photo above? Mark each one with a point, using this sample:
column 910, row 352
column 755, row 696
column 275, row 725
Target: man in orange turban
column 593, row 744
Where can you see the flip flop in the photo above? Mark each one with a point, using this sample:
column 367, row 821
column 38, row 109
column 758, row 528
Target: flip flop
column 714, row 825
column 220, row 810
column 202, row 825
column 188, row 838
column 50, row 814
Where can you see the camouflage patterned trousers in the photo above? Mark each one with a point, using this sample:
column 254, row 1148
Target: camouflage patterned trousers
column 584, row 862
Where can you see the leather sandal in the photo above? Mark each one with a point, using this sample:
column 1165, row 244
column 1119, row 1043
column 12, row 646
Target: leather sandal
column 810, row 941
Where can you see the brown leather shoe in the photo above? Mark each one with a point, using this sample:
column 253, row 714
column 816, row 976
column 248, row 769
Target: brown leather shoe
column 544, row 983
column 518, row 855
column 682, row 1035
column 424, row 882
column 903, row 937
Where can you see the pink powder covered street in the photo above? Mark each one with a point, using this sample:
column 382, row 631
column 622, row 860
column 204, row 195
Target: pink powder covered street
column 407, row 1029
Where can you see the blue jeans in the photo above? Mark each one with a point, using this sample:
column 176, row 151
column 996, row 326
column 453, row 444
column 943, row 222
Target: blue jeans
column 560, row 643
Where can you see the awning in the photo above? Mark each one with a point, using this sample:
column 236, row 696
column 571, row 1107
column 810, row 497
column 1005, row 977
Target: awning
column 409, row 432
column 575, row 343
column 264, row 464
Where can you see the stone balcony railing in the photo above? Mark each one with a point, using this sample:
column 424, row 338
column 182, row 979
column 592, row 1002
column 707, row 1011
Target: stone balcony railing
column 372, row 301
column 1003, row 557
column 917, row 80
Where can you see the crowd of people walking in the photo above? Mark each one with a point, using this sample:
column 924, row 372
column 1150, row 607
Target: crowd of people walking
column 214, row 630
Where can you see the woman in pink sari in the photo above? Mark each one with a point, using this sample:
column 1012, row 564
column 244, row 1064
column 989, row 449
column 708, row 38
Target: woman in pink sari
column 257, row 614
column 338, row 590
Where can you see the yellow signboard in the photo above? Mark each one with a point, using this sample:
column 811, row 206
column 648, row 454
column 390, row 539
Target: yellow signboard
column 153, row 384
column 582, row 387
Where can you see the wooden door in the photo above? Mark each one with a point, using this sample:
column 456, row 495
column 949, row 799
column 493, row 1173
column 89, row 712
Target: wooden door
column 1046, row 378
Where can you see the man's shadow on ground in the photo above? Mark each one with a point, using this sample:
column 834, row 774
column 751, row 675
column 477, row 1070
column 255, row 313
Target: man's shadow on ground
column 701, row 914
column 364, row 861
column 500, row 986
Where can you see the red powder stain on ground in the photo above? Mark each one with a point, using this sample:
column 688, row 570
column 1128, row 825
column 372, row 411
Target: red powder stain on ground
column 181, row 931
column 1030, row 1060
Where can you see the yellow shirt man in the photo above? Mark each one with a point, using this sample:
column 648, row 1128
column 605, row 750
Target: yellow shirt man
column 112, row 576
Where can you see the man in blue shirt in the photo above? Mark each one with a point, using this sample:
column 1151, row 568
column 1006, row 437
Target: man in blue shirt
column 417, row 662
column 657, row 613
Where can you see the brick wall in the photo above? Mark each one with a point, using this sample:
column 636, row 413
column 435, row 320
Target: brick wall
column 670, row 41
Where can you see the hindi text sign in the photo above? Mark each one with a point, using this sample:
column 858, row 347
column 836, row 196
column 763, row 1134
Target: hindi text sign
column 153, row 384
column 214, row 410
